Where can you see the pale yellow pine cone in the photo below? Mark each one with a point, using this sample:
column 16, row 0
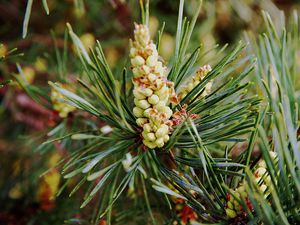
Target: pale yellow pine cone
column 152, row 91
column 263, row 181
column 62, row 108
column 195, row 80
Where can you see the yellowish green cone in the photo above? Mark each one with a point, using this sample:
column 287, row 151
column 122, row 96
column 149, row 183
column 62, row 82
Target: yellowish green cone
column 152, row 91
column 263, row 181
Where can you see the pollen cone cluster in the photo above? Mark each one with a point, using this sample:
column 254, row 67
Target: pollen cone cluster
column 62, row 108
column 200, row 74
column 263, row 181
column 152, row 91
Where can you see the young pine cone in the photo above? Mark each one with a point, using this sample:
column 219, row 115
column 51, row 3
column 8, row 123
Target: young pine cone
column 263, row 181
column 152, row 91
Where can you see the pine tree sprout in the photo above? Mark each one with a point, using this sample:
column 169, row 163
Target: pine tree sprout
column 140, row 131
column 166, row 128
column 149, row 114
column 61, row 107
column 152, row 91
